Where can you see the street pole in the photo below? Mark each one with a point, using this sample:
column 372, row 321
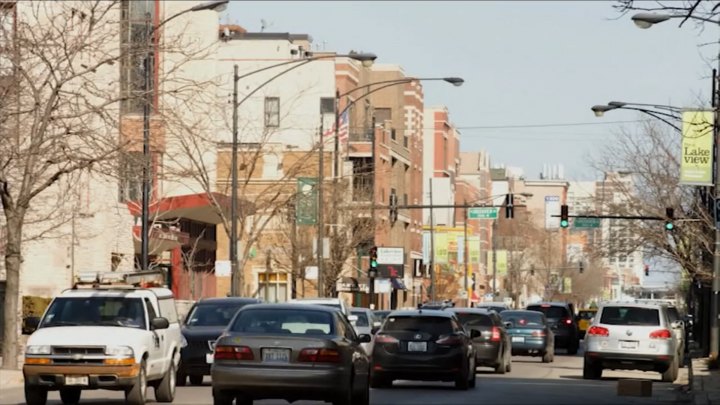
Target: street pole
column 144, row 226
column 432, row 246
column 715, row 295
column 320, row 215
column 465, row 254
column 235, row 271
column 373, row 145
column 494, row 258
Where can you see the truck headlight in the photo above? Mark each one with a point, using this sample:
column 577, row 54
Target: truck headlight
column 119, row 351
column 38, row 349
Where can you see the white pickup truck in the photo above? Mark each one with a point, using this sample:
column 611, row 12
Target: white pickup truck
column 105, row 336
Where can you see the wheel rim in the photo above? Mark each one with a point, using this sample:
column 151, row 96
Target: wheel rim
column 173, row 381
column 143, row 383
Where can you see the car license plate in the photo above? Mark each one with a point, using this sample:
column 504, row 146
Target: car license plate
column 417, row 346
column 518, row 339
column 276, row 355
column 209, row 358
column 76, row 380
column 628, row 344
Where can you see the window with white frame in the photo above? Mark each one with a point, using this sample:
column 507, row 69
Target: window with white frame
column 272, row 112
column 272, row 287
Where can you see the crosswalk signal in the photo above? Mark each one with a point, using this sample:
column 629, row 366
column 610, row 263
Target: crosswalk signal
column 669, row 217
column 564, row 216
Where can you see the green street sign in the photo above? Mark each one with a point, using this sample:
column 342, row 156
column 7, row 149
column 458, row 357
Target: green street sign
column 483, row 213
column 581, row 222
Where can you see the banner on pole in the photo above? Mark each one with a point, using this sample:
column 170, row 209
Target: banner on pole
column 696, row 160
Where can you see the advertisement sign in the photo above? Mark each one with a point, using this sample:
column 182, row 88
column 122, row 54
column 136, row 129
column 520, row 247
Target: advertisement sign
column 502, row 262
column 441, row 248
column 552, row 207
column 391, row 262
column 473, row 249
column 696, row 162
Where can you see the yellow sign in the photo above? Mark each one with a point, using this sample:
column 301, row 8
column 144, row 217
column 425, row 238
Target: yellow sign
column 441, row 248
column 696, row 160
column 500, row 262
column 567, row 285
column 473, row 249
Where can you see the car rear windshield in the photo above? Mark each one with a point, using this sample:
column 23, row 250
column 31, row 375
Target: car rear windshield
column 284, row 321
column 627, row 315
column 522, row 319
column 362, row 318
column 469, row 319
column 212, row 314
column 550, row 311
column 433, row 325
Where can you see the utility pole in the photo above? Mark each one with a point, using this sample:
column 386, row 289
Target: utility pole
column 320, row 214
column 145, row 225
column 494, row 259
column 432, row 245
column 235, row 271
column 371, row 278
column 715, row 295
column 465, row 254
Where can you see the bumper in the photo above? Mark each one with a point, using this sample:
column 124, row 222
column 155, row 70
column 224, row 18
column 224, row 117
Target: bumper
column 274, row 382
column 531, row 345
column 631, row 361
column 422, row 368
column 192, row 363
column 487, row 353
column 105, row 377
column 565, row 338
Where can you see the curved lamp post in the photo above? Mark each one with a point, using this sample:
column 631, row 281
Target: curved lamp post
column 236, row 275
column 664, row 116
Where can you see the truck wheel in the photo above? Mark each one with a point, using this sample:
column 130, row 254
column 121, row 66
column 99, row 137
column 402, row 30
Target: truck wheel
column 196, row 379
column 165, row 391
column 35, row 395
column 137, row 394
column 70, row 395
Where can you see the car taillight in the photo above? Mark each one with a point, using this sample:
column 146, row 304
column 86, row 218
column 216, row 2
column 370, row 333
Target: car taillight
column 538, row 333
column 495, row 334
column 386, row 339
column 598, row 331
column 233, row 353
column 567, row 321
column 661, row 334
column 312, row 355
column 449, row 341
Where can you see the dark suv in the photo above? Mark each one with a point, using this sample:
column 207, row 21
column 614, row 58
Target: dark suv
column 561, row 319
column 423, row 345
column 206, row 320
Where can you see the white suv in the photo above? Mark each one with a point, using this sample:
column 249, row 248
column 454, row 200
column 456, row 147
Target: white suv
column 631, row 336
column 115, row 337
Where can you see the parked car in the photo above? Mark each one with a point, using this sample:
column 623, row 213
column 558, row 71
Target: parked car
column 423, row 345
column 291, row 352
column 584, row 317
column 561, row 318
column 492, row 346
column 495, row 306
column 366, row 324
column 204, row 323
column 530, row 334
column 631, row 336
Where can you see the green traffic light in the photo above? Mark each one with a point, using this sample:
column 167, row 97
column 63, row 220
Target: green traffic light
column 669, row 226
column 373, row 263
column 564, row 223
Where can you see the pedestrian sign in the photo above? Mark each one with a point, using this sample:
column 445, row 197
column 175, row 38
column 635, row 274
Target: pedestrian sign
column 483, row 213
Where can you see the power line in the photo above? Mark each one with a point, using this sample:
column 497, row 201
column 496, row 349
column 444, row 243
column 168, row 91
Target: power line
column 572, row 124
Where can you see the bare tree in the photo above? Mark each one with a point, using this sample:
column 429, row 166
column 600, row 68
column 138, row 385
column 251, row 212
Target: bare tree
column 689, row 9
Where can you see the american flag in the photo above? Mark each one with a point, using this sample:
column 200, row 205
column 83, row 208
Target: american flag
column 344, row 128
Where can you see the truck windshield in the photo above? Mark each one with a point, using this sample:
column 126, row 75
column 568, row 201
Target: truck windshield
column 95, row 311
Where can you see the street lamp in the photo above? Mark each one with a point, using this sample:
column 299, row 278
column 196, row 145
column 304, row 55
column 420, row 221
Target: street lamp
column 455, row 81
column 647, row 20
column 235, row 269
column 147, row 73
column 600, row 110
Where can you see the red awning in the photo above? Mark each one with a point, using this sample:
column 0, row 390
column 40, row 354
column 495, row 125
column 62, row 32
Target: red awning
column 202, row 207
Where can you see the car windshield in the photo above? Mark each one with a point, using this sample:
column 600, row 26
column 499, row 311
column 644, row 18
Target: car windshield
column 212, row 314
column 469, row 319
column 95, row 311
column 627, row 315
column 284, row 321
column 550, row 311
column 432, row 325
column 362, row 318
column 522, row 319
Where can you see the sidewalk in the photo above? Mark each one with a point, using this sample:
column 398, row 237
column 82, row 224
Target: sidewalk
column 10, row 379
column 705, row 383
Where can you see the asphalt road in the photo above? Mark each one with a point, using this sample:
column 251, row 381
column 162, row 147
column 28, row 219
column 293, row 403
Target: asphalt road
column 530, row 382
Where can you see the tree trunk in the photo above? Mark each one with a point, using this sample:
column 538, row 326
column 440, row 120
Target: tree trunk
column 13, row 260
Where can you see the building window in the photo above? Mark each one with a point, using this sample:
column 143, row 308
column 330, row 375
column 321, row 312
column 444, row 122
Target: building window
column 136, row 17
column 273, row 287
column 406, row 141
column 382, row 115
column 272, row 112
column 393, row 134
column 7, row 28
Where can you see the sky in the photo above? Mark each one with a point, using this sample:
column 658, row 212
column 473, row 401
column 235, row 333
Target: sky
column 532, row 70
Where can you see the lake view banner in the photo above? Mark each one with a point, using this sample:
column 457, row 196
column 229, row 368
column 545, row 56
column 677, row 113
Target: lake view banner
column 696, row 163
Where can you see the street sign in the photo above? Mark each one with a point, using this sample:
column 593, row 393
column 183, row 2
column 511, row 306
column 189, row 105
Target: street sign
column 483, row 213
column 580, row 222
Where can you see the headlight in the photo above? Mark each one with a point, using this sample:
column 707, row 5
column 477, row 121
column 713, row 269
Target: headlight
column 119, row 351
column 44, row 349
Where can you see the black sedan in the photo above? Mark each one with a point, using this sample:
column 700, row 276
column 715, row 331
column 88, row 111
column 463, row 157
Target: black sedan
column 492, row 346
column 423, row 345
column 205, row 322
column 530, row 334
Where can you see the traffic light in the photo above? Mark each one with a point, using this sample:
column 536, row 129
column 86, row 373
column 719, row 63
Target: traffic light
column 509, row 203
column 647, row 270
column 581, row 267
column 669, row 217
column 564, row 216
column 393, row 207
column 373, row 261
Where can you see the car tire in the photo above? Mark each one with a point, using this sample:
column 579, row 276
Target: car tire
column 181, row 378
column 196, row 379
column 502, row 367
column 462, row 382
column 591, row 371
column 137, row 394
column 671, row 374
column 222, row 398
column 165, row 390
column 508, row 367
column 243, row 400
column 346, row 398
column 70, row 395
column 573, row 349
column 35, row 395
column 379, row 382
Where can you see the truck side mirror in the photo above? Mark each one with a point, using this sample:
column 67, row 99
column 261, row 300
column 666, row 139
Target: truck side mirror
column 159, row 323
